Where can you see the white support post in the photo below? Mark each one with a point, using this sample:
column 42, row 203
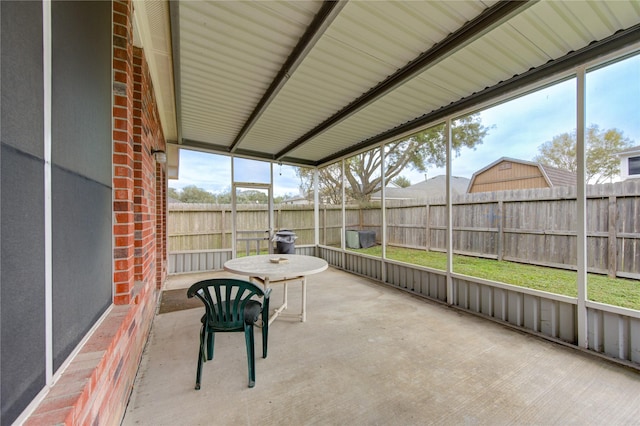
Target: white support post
column 271, row 207
column 316, row 208
column 234, row 222
column 449, row 215
column 383, row 207
column 344, row 213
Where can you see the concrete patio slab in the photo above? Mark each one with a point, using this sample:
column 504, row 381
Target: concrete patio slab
column 373, row 355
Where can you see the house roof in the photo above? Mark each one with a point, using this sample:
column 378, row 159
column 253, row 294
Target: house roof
column 433, row 187
column 307, row 82
column 559, row 177
column 629, row 151
column 553, row 175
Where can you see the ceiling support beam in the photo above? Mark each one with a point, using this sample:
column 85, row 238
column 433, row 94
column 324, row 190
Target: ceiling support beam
column 620, row 40
column 472, row 30
column 323, row 19
column 256, row 155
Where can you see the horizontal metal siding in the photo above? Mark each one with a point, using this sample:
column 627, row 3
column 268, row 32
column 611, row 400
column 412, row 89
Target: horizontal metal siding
column 552, row 318
column 365, row 266
column 614, row 334
column 185, row 262
column 197, row 261
column 430, row 284
column 334, row 257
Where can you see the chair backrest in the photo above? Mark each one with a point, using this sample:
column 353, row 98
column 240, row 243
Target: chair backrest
column 224, row 300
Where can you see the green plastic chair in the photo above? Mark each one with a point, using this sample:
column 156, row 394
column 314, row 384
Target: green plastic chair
column 229, row 306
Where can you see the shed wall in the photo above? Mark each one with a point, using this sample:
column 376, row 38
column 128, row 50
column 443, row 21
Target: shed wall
column 508, row 175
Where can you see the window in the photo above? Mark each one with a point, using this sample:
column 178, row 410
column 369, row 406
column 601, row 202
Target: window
column 634, row 166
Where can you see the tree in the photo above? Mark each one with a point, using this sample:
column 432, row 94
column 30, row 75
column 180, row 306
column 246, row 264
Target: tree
column 601, row 147
column 193, row 194
column 173, row 193
column 402, row 182
column 251, row 196
column 362, row 174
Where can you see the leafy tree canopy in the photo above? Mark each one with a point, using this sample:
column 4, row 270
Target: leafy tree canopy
column 173, row 193
column 192, row 194
column 601, row 147
column 402, row 182
column 362, row 174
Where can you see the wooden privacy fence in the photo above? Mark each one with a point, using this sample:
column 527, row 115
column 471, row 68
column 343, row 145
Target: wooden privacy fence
column 208, row 226
column 536, row 226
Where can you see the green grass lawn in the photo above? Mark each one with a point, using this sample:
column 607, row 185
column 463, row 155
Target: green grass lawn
column 600, row 288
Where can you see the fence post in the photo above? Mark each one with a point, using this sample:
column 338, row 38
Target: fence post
column 500, row 230
column 324, row 225
column 612, row 240
column 222, row 228
column 426, row 227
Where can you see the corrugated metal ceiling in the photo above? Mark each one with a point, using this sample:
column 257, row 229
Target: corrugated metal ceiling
column 306, row 81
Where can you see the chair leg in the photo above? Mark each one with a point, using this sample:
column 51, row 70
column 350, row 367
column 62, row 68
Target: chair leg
column 265, row 326
column 200, row 358
column 210, row 342
column 265, row 338
column 251, row 357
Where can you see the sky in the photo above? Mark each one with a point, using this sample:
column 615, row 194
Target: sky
column 516, row 129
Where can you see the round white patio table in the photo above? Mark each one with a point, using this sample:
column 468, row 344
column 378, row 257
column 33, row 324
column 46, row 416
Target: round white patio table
column 278, row 269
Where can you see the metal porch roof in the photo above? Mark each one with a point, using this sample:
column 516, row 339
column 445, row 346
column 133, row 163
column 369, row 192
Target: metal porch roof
column 305, row 82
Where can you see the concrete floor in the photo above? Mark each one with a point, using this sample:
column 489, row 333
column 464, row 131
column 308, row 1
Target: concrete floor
column 373, row 355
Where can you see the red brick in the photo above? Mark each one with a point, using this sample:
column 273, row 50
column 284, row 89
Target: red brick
column 122, row 171
column 123, row 288
column 121, row 299
column 122, row 229
column 123, row 183
column 120, row 19
column 121, row 31
column 120, row 276
column 120, row 112
column 122, row 8
column 121, row 194
column 121, row 54
column 120, row 65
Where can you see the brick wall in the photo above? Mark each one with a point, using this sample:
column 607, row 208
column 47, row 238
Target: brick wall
column 148, row 174
column 123, row 152
column 161, row 225
column 95, row 387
